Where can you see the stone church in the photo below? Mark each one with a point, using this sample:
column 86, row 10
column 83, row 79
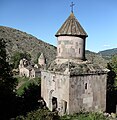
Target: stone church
column 71, row 83
column 31, row 70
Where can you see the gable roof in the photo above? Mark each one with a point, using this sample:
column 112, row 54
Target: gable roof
column 71, row 27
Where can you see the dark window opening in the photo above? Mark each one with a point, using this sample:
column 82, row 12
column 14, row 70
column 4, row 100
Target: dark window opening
column 85, row 85
column 79, row 50
column 64, row 106
column 54, row 104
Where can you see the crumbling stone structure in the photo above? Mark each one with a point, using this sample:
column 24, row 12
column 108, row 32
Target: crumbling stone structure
column 29, row 69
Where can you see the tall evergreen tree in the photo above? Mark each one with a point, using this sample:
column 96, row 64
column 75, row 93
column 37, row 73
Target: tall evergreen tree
column 7, row 85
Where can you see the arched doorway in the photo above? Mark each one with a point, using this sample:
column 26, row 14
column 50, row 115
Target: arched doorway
column 54, row 103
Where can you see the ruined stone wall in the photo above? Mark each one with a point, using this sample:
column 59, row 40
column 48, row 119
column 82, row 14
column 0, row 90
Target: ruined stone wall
column 38, row 74
column 32, row 73
column 71, row 47
column 55, row 84
column 87, row 92
column 24, row 72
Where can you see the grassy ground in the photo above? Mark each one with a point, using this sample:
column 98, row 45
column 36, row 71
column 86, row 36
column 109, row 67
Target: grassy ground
column 84, row 116
column 24, row 82
column 42, row 114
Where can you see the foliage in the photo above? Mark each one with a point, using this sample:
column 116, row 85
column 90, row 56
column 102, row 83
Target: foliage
column 40, row 114
column 44, row 114
column 114, row 63
column 28, row 101
column 112, row 66
column 28, row 95
column 84, row 116
column 11, row 104
column 112, row 85
column 96, row 58
column 110, row 78
column 23, row 83
column 22, row 42
column 7, row 85
column 36, row 61
column 108, row 53
column 17, row 56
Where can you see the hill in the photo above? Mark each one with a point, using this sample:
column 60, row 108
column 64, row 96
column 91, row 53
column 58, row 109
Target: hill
column 22, row 42
column 96, row 58
column 17, row 40
column 107, row 54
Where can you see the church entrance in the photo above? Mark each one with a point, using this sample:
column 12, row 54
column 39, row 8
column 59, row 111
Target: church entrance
column 54, row 103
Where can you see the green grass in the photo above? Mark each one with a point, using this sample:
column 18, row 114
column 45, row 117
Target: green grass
column 44, row 114
column 22, row 79
column 25, row 82
column 84, row 116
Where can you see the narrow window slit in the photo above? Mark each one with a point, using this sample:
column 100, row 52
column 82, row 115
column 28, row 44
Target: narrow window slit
column 85, row 85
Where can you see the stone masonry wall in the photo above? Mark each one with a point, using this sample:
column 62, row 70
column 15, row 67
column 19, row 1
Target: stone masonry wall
column 55, row 85
column 87, row 92
column 71, row 47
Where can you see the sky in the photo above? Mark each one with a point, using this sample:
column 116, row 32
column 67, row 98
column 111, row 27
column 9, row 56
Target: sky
column 43, row 18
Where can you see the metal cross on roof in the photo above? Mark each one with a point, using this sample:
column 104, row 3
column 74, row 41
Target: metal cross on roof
column 72, row 5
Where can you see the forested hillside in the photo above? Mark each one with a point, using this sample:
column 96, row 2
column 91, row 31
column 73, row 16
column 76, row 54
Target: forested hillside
column 18, row 41
column 107, row 54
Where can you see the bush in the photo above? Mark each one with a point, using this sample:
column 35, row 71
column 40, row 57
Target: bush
column 40, row 114
column 15, row 59
column 85, row 116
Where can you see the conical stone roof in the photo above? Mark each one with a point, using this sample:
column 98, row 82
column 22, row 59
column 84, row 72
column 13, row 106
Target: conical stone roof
column 41, row 56
column 71, row 27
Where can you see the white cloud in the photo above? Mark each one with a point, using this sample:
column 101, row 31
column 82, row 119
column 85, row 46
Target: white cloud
column 106, row 45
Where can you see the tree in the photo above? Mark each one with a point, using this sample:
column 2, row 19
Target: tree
column 113, row 68
column 28, row 99
column 7, row 85
column 112, row 85
column 31, row 96
column 114, row 63
column 36, row 61
column 18, row 56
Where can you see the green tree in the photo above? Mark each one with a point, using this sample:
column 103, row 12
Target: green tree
column 112, row 85
column 36, row 61
column 114, row 63
column 7, row 85
column 18, row 56
column 113, row 68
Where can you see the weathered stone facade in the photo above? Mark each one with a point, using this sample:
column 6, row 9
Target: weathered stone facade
column 88, row 93
column 71, row 84
column 71, row 47
column 55, row 85
column 75, row 86
column 28, row 69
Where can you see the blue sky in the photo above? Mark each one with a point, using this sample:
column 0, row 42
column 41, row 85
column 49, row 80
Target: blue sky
column 42, row 18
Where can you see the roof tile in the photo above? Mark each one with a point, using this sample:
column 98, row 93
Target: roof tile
column 71, row 27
